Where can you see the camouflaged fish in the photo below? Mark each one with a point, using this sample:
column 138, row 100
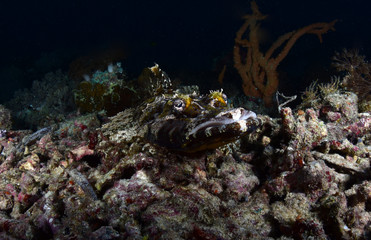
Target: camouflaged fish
column 182, row 121
column 191, row 123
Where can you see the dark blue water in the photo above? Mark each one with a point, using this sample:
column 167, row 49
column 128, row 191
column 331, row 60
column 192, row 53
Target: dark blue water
column 191, row 40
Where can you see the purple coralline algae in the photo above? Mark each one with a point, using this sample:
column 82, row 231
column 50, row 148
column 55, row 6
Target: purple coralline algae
column 304, row 175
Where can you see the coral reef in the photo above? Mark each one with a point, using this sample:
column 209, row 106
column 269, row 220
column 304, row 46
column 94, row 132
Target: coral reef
column 258, row 70
column 304, row 175
column 48, row 101
column 105, row 90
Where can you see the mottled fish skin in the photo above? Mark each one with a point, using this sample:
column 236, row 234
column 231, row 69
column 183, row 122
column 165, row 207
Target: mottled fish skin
column 191, row 123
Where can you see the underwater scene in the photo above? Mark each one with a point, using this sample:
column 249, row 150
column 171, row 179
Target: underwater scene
column 199, row 120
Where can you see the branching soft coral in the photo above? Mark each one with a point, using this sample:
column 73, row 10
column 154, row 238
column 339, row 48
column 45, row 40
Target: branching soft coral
column 258, row 70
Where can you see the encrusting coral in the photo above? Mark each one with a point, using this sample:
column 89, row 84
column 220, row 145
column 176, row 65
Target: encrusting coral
column 259, row 70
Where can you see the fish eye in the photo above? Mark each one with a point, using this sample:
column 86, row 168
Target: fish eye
column 179, row 105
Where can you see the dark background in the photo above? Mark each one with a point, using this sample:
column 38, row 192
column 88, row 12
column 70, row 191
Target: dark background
column 191, row 40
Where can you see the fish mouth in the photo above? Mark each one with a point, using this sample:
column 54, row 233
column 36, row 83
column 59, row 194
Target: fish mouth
column 224, row 128
column 239, row 115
